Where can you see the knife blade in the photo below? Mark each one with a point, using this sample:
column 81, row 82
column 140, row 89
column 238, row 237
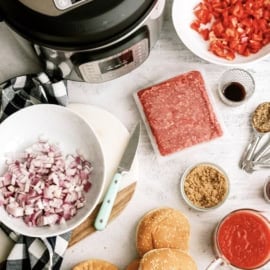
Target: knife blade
column 123, row 167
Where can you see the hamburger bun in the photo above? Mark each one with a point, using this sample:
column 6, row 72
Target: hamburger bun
column 167, row 259
column 162, row 228
column 95, row 265
column 134, row 265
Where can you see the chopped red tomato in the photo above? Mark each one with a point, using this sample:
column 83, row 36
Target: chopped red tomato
column 203, row 15
column 233, row 26
column 218, row 28
column 221, row 49
column 195, row 25
column 204, row 33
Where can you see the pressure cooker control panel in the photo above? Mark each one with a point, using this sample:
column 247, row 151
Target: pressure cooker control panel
column 53, row 7
column 94, row 68
column 115, row 66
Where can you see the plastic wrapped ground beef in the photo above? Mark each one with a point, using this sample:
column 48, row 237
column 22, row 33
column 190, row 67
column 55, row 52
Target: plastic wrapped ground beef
column 178, row 113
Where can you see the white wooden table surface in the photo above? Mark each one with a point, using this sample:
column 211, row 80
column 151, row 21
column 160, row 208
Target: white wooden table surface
column 158, row 183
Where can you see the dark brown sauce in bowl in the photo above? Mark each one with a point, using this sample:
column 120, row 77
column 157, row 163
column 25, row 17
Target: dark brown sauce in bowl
column 235, row 86
column 234, row 92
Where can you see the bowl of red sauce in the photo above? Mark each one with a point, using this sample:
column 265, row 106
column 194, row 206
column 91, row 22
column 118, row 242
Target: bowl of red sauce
column 242, row 240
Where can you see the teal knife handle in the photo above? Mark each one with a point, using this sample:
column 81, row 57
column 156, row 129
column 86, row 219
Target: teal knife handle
column 107, row 204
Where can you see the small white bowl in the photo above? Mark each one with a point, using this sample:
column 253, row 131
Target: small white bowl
column 59, row 125
column 266, row 190
column 185, row 197
column 236, row 76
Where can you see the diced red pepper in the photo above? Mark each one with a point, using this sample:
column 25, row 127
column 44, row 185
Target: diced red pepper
column 233, row 26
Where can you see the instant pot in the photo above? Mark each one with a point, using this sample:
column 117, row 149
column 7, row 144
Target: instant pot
column 87, row 40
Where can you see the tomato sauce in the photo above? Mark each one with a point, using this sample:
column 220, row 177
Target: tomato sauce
column 243, row 238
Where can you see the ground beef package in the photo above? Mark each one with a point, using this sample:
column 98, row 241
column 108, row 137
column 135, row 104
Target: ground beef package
column 178, row 113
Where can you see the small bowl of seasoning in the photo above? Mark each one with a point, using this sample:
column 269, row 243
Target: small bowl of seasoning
column 204, row 186
column 236, row 86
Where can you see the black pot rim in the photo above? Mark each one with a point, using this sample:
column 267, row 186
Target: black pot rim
column 79, row 29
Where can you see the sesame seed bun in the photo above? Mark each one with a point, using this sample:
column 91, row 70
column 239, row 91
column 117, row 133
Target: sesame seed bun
column 95, row 265
column 134, row 265
column 162, row 228
column 166, row 258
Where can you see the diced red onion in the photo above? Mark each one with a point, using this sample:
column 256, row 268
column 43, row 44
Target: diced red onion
column 44, row 187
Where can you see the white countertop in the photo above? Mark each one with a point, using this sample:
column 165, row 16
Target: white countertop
column 158, row 183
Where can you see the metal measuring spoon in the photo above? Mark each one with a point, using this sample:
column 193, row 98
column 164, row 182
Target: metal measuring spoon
column 263, row 158
column 260, row 125
column 262, row 151
column 260, row 165
column 246, row 162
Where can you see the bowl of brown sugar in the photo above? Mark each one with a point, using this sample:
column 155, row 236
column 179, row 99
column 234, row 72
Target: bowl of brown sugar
column 204, row 186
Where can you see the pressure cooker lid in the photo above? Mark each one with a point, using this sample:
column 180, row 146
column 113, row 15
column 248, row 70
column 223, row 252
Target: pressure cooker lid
column 74, row 24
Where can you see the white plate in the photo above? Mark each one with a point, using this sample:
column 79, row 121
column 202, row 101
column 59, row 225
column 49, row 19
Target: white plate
column 182, row 16
column 59, row 125
column 113, row 137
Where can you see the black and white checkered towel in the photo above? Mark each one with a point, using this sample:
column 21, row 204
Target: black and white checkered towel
column 28, row 252
column 28, row 90
column 35, row 253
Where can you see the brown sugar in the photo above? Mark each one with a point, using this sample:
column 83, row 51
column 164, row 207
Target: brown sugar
column 205, row 186
column 261, row 117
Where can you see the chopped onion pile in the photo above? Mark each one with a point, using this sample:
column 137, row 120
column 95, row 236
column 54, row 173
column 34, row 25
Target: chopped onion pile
column 44, row 187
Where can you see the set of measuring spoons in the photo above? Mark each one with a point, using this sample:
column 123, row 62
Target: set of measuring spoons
column 257, row 153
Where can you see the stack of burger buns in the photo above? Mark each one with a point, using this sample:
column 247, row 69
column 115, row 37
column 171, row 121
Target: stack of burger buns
column 134, row 265
column 95, row 264
column 162, row 242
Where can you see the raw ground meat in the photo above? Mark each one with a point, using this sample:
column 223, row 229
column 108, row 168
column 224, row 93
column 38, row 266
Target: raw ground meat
column 179, row 113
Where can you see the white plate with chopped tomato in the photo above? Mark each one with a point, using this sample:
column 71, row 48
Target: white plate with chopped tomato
column 224, row 32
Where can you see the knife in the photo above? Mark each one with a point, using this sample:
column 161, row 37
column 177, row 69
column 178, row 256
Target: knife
column 123, row 167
